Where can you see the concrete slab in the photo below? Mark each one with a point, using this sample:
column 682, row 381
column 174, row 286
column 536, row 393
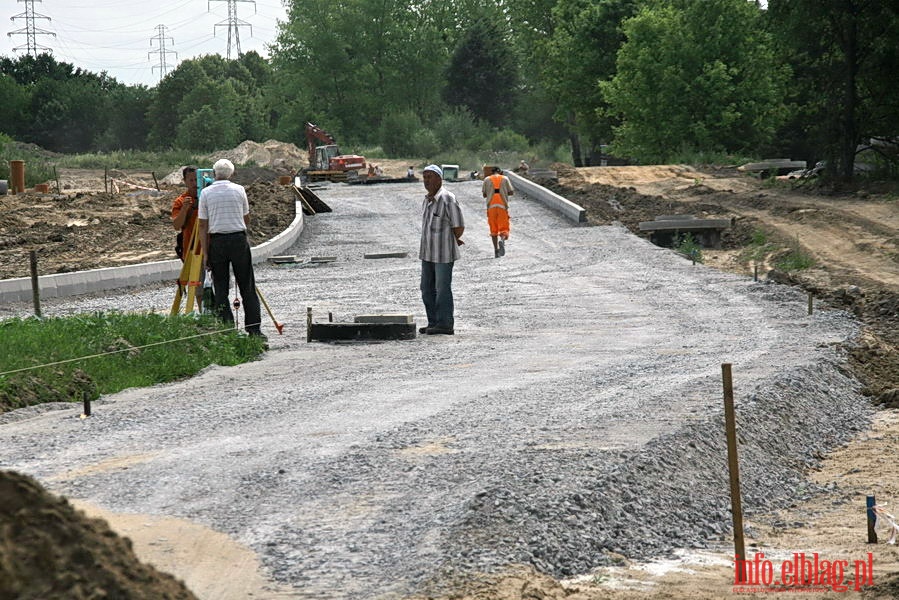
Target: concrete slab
column 323, row 259
column 384, row 318
column 387, row 255
column 284, row 259
column 330, row 332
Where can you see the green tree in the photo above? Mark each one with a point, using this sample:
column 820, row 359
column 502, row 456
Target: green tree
column 127, row 126
column 695, row 75
column 234, row 89
column 578, row 55
column 213, row 117
column 845, row 56
column 482, row 74
column 15, row 111
column 345, row 65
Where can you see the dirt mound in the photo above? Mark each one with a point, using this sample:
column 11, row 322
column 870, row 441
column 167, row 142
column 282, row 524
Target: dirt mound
column 89, row 230
column 280, row 158
column 50, row 550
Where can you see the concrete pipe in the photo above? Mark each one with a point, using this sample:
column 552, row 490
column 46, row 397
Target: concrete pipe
column 17, row 174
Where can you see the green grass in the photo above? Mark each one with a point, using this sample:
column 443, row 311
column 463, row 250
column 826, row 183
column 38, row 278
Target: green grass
column 112, row 351
column 158, row 162
column 794, row 260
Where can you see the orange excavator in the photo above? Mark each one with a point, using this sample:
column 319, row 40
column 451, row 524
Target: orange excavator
column 326, row 163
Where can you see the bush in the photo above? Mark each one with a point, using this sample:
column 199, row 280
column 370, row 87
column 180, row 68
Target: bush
column 398, row 130
column 457, row 129
column 37, row 168
column 688, row 246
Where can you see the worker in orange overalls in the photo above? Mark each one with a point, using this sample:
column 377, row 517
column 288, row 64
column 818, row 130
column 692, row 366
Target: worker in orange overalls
column 496, row 189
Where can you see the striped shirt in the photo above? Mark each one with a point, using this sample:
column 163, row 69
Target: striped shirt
column 224, row 205
column 438, row 218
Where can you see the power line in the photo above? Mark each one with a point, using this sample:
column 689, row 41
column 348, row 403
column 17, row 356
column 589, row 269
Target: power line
column 30, row 31
column 234, row 23
column 161, row 38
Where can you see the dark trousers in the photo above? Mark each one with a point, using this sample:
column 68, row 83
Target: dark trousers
column 233, row 250
column 437, row 293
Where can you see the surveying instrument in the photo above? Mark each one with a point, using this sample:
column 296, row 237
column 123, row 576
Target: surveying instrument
column 191, row 277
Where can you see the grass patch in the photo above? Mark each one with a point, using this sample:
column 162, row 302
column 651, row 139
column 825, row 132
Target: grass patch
column 794, row 260
column 113, row 351
column 158, row 162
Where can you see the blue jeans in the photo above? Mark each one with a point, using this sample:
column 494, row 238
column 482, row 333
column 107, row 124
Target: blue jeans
column 437, row 293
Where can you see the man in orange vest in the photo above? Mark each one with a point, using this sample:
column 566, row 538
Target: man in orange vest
column 184, row 212
column 496, row 189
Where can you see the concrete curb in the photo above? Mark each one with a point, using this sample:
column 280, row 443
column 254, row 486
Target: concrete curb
column 569, row 209
column 99, row 280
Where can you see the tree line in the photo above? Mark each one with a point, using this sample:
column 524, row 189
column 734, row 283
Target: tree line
column 651, row 80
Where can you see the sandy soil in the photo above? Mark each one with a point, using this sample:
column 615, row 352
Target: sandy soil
column 853, row 237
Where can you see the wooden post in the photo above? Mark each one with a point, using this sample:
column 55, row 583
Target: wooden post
column 734, row 469
column 872, row 518
column 755, row 273
column 154, row 180
column 330, row 317
column 811, row 297
column 87, row 404
column 35, row 286
column 106, row 179
column 56, row 177
column 308, row 324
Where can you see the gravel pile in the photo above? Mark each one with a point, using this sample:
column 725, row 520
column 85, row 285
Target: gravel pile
column 575, row 416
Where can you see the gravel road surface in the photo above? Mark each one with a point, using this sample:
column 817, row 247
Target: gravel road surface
column 575, row 414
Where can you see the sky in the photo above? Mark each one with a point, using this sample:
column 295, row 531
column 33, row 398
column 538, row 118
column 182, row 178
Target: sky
column 122, row 37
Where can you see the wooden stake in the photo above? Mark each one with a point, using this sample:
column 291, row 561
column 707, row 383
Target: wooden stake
column 755, row 273
column 87, row 404
column 811, row 297
column 734, row 469
column 308, row 324
column 872, row 518
column 56, row 177
column 154, row 180
column 35, row 287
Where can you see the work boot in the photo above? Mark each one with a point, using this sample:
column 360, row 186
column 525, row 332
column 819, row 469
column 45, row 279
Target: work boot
column 502, row 247
column 496, row 253
column 439, row 331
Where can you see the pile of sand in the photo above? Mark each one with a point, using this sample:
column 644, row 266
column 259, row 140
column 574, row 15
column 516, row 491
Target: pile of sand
column 282, row 157
column 50, row 550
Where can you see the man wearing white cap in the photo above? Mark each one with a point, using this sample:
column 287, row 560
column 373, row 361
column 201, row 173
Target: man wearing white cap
column 224, row 214
column 441, row 235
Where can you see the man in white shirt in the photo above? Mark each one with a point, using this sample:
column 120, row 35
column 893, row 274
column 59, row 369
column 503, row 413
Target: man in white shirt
column 224, row 215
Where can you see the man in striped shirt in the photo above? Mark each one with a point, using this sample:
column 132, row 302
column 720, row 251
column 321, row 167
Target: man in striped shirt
column 441, row 235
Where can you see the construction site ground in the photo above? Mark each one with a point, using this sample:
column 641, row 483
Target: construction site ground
column 853, row 237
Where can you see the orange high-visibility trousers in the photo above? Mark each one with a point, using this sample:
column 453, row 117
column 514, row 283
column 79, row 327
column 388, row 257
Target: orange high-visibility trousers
column 498, row 219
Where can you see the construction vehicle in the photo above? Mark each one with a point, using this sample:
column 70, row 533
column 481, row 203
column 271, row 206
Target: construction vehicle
column 450, row 172
column 326, row 163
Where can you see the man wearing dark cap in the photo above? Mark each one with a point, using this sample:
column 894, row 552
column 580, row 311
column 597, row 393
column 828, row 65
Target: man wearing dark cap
column 441, row 235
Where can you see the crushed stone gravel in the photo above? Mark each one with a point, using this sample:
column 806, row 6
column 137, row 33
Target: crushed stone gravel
column 576, row 415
